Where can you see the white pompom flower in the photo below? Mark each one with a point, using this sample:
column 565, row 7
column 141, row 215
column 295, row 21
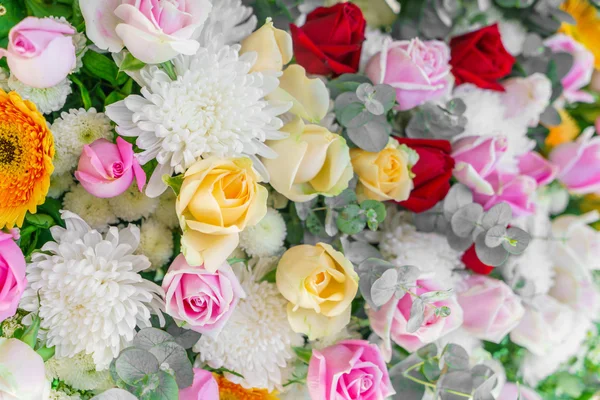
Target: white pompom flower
column 46, row 100
column 93, row 210
column 156, row 242
column 132, row 204
column 79, row 372
column 264, row 239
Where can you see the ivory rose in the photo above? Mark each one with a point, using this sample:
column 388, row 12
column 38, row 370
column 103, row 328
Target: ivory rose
column 154, row 31
column 320, row 284
column 218, row 199
column 204, row 387
column 273, row 46
column 312, row 161
column 40, row 51
column 12, row 276
column 385, row 175
column 22, row 372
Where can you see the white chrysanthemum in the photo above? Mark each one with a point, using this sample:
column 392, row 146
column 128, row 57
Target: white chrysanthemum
column 60, row 183
column 47, row 100
column 58, row 395
column 257, row 341
column 230, row 20
column 215, row 107
column 266, row 238
column 79, row 372
column 72, row 131
column 87, row 290
column 374, row 39
column 156, row 242
column 4, row 76
column 94, row 210
column 165, row 212
column 132, row 204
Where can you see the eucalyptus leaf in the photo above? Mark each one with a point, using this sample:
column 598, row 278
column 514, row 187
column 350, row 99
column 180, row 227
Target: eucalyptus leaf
column 186, row 338
column 346, row 83
column 303, row 209
column 456, row 106
column 160, row 386
column 175, row 357
column 384, row 287
column 373, row 136
column 417, row 316
column 564, row 64
column 354, row 116
column 357, row 252
column 484, row 381
column 495, row 236
column 134, row 364
column 455, row 382
column 370, row 271
column 377, row 206
column 348, row 196
column 431, row 370
column 150, row 337
column 428, row 351
column 331, row 228
column 458, row 196
column 533, row 45
column 550, row 117
column 345, row 100
column 493, row 256
column 351, row 220
column 465, row 219
column 455, row 357
column 115, row 394
column 458, row 243
column 437, row 295
column 563, row 16
column 517, row 240
column 499, row 214
column 408, row 274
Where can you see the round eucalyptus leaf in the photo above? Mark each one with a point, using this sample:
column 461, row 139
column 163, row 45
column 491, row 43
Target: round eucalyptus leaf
column 563, row 16
column 456, row 106
column 533, row 45
column 354, row 115
column 493, row 256
column 134, row 364
column 465, row 219
column 417, row 316
column 495, row 236
column 458, row 196
column 373, row 136
column 564, row 63
column 150, row 337
column 550, row 117
column 454, row 381
column 458, row 243
column 175, row 356
column 344, row 100
column 517, row 240
column 186, row 338
column 383, row 288
column 386, row 96
column 428, row 351
column 408, row 274
column 455, row 357
column 500, row 214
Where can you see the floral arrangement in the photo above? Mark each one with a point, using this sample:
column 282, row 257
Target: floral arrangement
column 319, row 199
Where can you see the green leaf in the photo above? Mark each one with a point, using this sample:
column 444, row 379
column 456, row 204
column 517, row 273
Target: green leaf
column 52, row 207
column 315, row 225
column 40, row 220
column 15, row 12
column 377, row 206
column 113, row 97
column 130, row 63
column 372, row 136
column 85, row 95
column 354, row 115
column 175, row 356
column 295, row 230
column 134, row 364
column 158, row 386
column 431, row 370
column 351, row 220
column 30, row 335
column 346, row 83
column 270, row 276
column 46, row 353
column 42, row 9
column 174, row 182
column 169, row 69
column 303, row 354
column 102, row 67
column 150, row 337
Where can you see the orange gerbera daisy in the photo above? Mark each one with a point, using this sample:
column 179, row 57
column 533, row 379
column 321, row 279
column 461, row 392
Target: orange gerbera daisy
column 232, row 391
column 587, row 25
column 564, row 132
column 26, row 152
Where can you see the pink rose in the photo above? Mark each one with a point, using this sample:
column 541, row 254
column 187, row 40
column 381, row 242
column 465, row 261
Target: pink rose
column 515, row 190
column 577, row 162
column 581, row 71
column 390, row 321
column 419, row 71
column 204, row 387
column 349, row 370
column 201, row 299
column 154, row 31
column 106, row 169
column 12, row 276
column 576, row 289
column 490, row 308
column 534, row 165
column 511, row 391
column 40, row 51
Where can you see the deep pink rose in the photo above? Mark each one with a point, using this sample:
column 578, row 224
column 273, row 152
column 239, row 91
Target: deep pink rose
column 577, row 162
column 490, row 308
column 40, row 51
column 202, row 299
column 419, row 71
column 12, row 275
column 534, row 165
column 581, row 72
column 349, row 370
column 516, row 190
column 106, row 169
column 511, row 391
column 390, row 321
column 204, row 387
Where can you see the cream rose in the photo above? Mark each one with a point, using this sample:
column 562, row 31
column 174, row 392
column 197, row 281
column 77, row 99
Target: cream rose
column 320, row 284
column 312, row 161
column 218, row 199
column 273, row 46
column 385, row 175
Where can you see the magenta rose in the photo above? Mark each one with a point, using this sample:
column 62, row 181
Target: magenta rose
column 490, row 308
column 106, row 169
column 534, row 165
column 204, row 387
column 419, row 71
column 40, row 51
column 203, row 300
column 12, row 276
column 349, row 370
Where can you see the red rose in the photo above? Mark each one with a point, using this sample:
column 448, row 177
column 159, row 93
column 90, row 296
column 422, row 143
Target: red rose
column 331, row 40
column 472, row 262
column 432, row 173
column 480, row 58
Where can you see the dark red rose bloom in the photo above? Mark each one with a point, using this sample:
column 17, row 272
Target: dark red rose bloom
column 432, row 173
column 473, row 262
column 480, row 58
column 330, row 42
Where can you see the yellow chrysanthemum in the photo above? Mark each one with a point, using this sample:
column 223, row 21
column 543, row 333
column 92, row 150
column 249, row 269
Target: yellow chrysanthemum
column 587, row 28
column 26, row 152
column 232, row 391
column 565, row 132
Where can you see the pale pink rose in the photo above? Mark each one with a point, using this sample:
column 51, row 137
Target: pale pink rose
column 154, row 31
column 23, row 372
column 419, row 71
column 106, row 169
column 576, row 289
column 577, row 162
column 490, row 308
column 576, row 244
column 390, row 321
column 581, row 71
column 511, row 391
column 526, row 97
column 12, row 276
column 40, row 51
column 515, row 190
column 202, row 299
column 534, row 165
column 348, row 370
column 204, row 387
column 476, row 158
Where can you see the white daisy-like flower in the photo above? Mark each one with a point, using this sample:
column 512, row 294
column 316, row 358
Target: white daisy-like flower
column 165, row 212
column 79, row 372
column 87, row 290
column 94, row 210
column 132, row 204
column 59, row 184
column 72, row 131
column 373, row 44
column 156, row 242
column 46, row 100
column 257, row 340
column 266, row 238
column 229, row 21
column 58, row 395
column 214, row 107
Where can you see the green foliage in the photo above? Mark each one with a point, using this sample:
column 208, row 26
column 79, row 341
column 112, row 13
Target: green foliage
column 48, row 8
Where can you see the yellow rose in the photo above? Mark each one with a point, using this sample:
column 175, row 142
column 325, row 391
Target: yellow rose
column 383, row 176
column 273, row 46
column 311, row 161
column 218, row 199
column 320, row 284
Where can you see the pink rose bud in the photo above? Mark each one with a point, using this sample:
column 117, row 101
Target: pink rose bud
column 107, row 170
column 511, row 391
column 204, row 387
column 534, row 165
column 204, row 301
column 40, row 51
column 490, row 307
column 419, row 71
column 578, row 163
column 12, row 276
column 515, row 190
column 351, row 369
